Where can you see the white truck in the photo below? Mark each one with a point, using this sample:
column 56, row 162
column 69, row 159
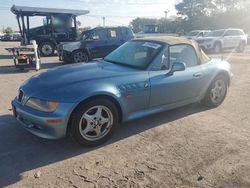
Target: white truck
column 219, row 40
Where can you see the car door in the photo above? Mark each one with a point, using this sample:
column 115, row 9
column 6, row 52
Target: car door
column 228, row 39
column 181, row 86
column 237, row 36
column 98, row 43
column 114, row 39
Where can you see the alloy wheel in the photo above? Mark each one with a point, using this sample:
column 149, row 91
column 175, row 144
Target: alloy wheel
column 218, row 91
column 96, row 123
column 47, row 49
column 80, row 57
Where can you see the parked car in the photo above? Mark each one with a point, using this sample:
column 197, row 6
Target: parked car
column 16, row 37
column 223, row 39
column 196, row 34
column 142, row 77
column 6, row 37
column 94, row 43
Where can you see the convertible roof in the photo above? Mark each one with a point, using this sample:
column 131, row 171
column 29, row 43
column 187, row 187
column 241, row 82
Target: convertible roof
column 37, row 11
column 170, row 40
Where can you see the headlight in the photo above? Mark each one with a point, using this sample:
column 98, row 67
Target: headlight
column 70, row 47
column 42, row 105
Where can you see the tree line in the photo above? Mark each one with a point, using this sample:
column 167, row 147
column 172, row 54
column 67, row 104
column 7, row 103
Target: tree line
column 202, row 14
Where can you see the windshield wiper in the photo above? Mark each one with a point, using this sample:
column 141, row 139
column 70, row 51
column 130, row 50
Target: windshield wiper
column 116, row 62
column 122, row 64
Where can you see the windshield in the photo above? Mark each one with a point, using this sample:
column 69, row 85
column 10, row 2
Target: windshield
column 217, row 33
column 137, row 54
column 192, row 33
column 85, row 35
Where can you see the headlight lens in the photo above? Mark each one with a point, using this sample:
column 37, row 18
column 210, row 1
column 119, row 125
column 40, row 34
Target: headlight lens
column 42, row 105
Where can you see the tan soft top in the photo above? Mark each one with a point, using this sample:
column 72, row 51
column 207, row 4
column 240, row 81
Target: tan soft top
column 168, row 40
column 171, row 40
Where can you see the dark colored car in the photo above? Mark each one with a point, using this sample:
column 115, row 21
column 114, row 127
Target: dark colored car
column 6, row 38
column 94, row 43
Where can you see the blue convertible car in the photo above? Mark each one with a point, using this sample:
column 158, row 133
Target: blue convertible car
column 142, row 77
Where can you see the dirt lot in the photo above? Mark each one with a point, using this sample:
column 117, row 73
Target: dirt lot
column 188, row 147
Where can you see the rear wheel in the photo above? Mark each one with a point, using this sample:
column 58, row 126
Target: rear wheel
column 93, row 122
column 46, row 49
column 80, row 57
column 216, row 92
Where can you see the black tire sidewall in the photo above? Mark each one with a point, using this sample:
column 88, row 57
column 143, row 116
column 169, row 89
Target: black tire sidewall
column 76, row 116
column 47, row 43
column 207, row 100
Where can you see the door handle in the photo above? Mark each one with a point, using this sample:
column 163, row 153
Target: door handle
column 197, row 75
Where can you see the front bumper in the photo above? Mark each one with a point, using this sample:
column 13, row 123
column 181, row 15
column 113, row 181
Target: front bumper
column 45, row 125
column 64, row 55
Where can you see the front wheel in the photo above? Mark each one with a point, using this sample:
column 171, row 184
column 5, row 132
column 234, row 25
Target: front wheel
column 216, row 92
column 93, row 122
column 80, row 57
column 241, row 47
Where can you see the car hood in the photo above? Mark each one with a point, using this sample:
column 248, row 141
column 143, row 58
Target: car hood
column 68, row 75
column 70, row 46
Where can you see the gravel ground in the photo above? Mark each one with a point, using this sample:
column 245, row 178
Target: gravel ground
column 188, row 147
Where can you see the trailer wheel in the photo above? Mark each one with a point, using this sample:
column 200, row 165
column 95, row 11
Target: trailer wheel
column 46, row 49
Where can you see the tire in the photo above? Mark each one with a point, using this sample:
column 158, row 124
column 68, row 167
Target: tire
column 46, row 49
column 215, row 95
column 241, row 47
column 94, row 122
column 80, row 56
column 217, row 48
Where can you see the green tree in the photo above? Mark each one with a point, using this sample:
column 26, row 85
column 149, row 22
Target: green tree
column 8, row 30
column 139, row 23
column 78, row 23
column 194, row 8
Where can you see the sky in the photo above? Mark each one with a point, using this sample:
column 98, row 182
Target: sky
column 116, row 12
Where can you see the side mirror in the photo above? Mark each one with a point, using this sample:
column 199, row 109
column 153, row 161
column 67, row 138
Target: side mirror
column 177, row 66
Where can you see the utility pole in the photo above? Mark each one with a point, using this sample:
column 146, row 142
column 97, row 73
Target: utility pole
column 166, row 14
column 103, row 21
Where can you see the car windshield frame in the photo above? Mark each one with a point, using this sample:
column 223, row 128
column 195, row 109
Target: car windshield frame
column 150, row 61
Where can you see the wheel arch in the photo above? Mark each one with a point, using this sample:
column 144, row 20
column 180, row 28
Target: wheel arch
column 98, row 96
column 218, row 42
column 84, row 49
column 224, row 74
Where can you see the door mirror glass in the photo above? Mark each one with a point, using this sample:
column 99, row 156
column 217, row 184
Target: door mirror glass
column 177, row 66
